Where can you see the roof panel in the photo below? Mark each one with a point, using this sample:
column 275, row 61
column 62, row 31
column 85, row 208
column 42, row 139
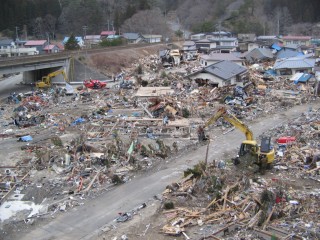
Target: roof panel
column 225, row 69
column 35, row 42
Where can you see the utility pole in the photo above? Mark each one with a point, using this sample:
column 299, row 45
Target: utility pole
column 278, row 25
column 17, row 36
column 84, row 28
column 48, row 38
column 84, row 41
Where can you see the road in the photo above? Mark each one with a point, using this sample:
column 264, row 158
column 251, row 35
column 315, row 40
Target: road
column 12, row 84
column 83, row 222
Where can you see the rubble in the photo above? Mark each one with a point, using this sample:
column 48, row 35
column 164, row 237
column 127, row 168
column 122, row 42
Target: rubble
column 241, row 205
column 75, row 146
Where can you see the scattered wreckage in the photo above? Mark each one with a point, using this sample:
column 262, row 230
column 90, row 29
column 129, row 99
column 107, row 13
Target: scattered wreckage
column 92, row 140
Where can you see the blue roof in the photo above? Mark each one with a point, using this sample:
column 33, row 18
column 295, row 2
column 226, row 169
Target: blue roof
column 294, row 63
column 288, row 53
column 303, row 78
column 276, row 47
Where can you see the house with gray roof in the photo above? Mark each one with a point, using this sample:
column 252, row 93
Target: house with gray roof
column 221, row 45
column 220, row 74
column 259, row 55
column 133, row 37
column 290, row 66
column 208, row 59
column 152, row 38
column 266, row 41
column 6, row 43
column 189, row 46
column 197, row 37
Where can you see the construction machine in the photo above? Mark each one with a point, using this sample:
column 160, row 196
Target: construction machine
column 250, row 152
column 46, row 80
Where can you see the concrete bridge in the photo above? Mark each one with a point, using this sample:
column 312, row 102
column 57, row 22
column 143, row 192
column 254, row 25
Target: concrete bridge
column 37, row 66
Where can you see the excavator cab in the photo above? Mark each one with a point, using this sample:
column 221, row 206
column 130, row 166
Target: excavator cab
column 44, row 83
column 248, row 148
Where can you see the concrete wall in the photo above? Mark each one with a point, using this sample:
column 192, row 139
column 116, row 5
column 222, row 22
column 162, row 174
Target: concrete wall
column 37, row 74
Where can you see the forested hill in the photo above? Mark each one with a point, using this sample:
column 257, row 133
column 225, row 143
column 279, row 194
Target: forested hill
column 41, row 18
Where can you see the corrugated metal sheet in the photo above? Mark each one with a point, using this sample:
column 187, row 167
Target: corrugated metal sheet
column 35, row 42
column 288, row 53
column 294, row 63
column 131, row 36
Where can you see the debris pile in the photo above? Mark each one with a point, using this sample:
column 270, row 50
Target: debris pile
column 64, row 148
column 221, row 200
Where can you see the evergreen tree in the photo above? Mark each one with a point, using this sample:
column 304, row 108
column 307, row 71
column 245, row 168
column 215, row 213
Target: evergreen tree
column 144, row 5
column 72, row 43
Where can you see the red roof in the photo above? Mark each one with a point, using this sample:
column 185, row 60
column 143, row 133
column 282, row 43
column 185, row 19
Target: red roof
column 60, row 46
column 296, row 38
column 49, row 47
column 107, row 33
column 35, row 43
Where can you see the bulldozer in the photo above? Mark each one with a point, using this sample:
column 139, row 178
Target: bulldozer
column 46, row 80
column 250, row 152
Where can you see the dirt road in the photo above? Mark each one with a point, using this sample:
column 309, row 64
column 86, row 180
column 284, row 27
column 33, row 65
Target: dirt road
column 83, row 222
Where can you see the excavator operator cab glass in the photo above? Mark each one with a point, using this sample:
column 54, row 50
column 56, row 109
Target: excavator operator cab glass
column 265, row 144
column 247, row 148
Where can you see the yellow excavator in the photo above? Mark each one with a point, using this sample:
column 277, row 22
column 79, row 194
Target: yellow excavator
column 249, row 152
column 46, row 80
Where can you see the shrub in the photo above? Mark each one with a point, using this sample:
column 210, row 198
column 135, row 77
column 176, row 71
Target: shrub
column 185, row 113
column 168, row 205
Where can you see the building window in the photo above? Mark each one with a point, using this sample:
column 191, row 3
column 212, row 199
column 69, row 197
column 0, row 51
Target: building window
column 285, row 72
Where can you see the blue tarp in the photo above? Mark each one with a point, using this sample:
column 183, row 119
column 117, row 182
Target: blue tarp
column 303, row 79
column 27, row 138
column 270, row 72
column 276, row 47
column 77, row 121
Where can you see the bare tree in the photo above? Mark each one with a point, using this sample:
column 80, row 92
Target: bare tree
column 281, row 21
column 50, row 25
column 194, row 12
column 308, row 29
column 37, row 26
column 146, row 22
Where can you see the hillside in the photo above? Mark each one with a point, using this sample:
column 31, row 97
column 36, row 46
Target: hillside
column 53, row 18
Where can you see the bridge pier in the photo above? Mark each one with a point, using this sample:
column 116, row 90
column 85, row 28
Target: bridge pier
column 33, row 76
column 35, row 67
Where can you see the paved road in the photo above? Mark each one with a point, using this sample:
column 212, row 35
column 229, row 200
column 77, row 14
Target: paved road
column 12, row 84
column 84, row 221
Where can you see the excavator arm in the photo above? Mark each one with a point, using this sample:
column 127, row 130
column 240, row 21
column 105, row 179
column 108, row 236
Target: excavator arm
column 46, row 80
column 223, row 112
column 248, row 148
column 56, row 73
